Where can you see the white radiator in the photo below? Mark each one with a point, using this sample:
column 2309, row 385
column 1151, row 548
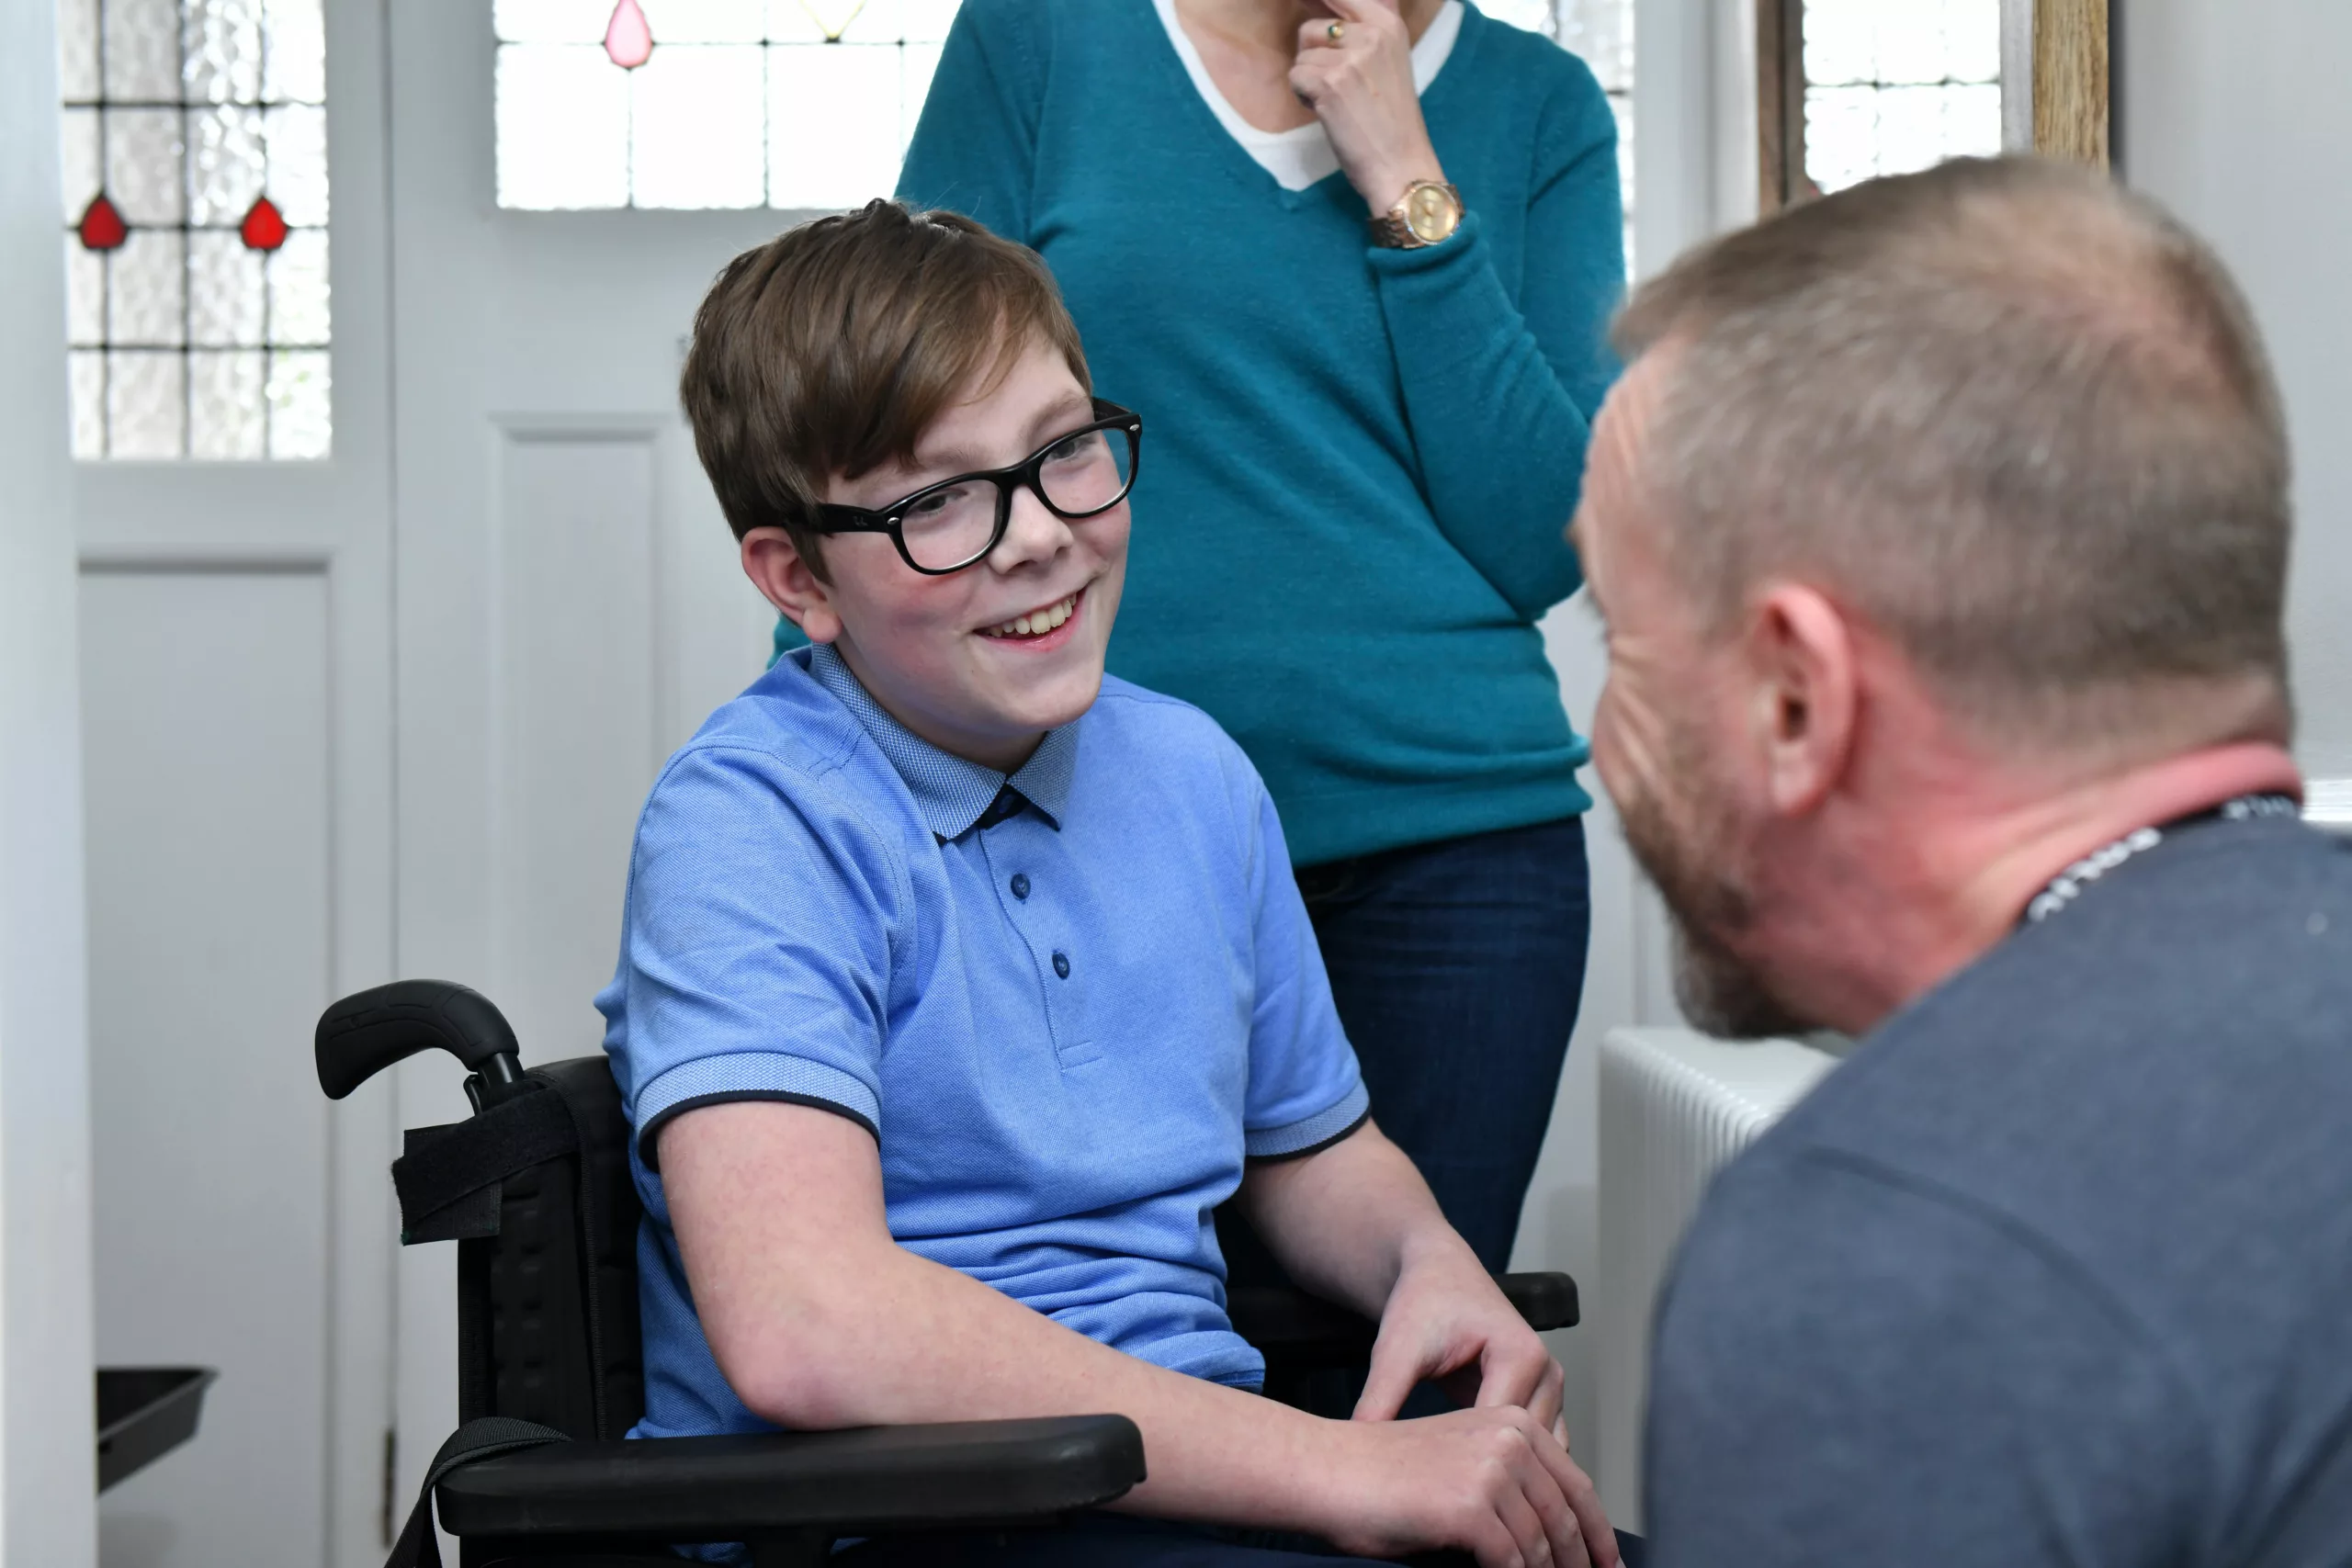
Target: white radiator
column 1675, row 1107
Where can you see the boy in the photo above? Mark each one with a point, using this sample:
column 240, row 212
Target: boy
column 959, row 984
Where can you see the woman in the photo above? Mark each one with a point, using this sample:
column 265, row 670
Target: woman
column 1369, row 436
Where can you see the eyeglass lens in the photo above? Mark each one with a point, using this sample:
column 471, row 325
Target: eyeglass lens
column 1083, row 473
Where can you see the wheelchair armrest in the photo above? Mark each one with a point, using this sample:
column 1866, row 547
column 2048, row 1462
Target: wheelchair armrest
column 779, row 1483
column 1297, row 1331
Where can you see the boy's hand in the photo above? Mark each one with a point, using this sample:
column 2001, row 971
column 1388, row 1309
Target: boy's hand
column 1490, row 1482
column 1445, row 1320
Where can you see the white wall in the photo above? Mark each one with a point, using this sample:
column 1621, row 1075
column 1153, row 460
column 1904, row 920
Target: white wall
column 48, row 1427
column 2236, row 117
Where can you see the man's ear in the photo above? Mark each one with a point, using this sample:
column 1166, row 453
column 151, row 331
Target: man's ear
column 1802, row 661
column 779, row 570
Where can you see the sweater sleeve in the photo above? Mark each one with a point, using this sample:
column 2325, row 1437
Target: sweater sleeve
column 1501, row 395
column 975, row 148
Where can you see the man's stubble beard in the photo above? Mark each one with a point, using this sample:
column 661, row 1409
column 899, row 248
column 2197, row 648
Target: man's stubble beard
column 1720, row 992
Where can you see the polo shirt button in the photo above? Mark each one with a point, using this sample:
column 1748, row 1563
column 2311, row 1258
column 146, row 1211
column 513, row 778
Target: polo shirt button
column 1061, row 964
column 1020, row 886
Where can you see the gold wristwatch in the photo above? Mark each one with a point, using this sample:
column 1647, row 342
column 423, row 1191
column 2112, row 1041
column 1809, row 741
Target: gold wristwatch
column 1428, row 215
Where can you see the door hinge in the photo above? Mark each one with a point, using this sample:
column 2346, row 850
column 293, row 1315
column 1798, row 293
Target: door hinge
column 392, row 1467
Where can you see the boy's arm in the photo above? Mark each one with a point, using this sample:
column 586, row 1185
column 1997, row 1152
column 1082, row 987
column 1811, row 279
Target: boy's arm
column 819, row 1319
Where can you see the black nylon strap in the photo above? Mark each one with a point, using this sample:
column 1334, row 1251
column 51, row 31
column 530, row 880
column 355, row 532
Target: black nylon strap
column 418, row 1546
column 445, row 1166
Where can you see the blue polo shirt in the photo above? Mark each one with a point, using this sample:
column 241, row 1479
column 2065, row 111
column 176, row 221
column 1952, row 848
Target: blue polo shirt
column 1067, row 1003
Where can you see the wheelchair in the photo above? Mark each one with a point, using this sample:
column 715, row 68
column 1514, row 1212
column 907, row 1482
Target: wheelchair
column 535, row 1190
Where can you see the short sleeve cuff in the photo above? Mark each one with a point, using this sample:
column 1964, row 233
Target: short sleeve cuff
column 1317, row 1132
column 751, row 1074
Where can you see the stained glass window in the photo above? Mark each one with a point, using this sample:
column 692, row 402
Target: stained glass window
column 795, row 104
column 1893, row 85
column 1602, row 32
column 195, row 228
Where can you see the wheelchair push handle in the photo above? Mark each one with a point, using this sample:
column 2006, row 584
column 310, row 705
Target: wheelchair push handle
column 366, row 1033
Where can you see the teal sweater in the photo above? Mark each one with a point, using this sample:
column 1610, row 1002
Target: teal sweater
column 1357, row 462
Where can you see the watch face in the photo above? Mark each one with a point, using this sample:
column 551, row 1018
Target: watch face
column 1432, row 213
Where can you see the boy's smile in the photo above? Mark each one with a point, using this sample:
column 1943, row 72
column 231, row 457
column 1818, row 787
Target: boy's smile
column 983, row 661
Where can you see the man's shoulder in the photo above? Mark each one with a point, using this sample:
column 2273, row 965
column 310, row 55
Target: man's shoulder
column 2143, row 1092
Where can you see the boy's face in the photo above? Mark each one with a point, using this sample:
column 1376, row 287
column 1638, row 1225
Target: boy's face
column 940, row 653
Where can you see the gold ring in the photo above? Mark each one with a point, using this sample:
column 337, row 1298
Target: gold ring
column 1335, row 32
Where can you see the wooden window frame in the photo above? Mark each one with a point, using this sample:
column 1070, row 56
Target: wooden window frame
column 2070, row 110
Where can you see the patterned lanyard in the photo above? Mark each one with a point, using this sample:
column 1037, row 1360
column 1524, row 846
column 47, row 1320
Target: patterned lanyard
column 2069, row 884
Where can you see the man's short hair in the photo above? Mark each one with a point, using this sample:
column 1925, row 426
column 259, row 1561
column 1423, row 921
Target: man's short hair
column 2016, row 418
column 830, row 349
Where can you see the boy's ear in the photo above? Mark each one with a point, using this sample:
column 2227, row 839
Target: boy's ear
column 779, row 570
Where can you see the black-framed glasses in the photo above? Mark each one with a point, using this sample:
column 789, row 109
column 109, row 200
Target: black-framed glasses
column 947, row 527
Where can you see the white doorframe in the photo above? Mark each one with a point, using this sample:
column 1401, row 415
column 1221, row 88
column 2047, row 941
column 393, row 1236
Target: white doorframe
column 48, row 1427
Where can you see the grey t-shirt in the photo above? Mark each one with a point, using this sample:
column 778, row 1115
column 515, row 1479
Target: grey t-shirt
column 2058, row 1268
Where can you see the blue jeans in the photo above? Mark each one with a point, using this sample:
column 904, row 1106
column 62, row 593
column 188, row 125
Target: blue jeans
column 1458, row 967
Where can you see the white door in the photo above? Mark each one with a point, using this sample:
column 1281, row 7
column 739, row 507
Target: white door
column 569, row 606
column 237, row 670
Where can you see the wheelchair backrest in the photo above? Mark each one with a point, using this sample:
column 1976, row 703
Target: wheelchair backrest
column 536, row 1191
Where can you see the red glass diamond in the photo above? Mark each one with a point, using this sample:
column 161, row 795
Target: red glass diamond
column 264, row 228
column 629, row 39
column 101, row 227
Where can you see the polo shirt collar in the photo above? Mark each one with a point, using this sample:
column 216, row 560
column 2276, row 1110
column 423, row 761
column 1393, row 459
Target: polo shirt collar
column 951, row 792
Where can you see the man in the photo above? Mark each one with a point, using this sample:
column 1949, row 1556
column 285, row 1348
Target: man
column 1942, row 528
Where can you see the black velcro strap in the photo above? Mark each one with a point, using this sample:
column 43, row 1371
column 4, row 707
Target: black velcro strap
column 418, row 1546
column 447, row 1177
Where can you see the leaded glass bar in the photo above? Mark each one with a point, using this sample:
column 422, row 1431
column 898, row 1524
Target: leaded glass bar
column 195, row 170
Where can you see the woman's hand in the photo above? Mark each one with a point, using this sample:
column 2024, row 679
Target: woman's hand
column 1360, row 86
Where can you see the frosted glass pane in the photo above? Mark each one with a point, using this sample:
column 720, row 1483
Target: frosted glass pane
column 700, row 21
column 225, row 406
column 792, row 21
column 296, row 58
column 226, row 163
column 1911, row 41
column 1840, row 136
column 851, row 21
column 221, row 44
column 1973, row 40
column 144, row 163
column 1529, row 15
column 298, row 289
column 143, row 49
column 149, row 287
column 926, row 21
column 918, row 63
column 78, row 160
column 562, row 127
column 1602, row 32
column 297, row 135
column 698, row 120
column 1972, row 120
column 1840, row 41
column 146, row 404
column 552, row 21
column 1910, row 129
column 833, row 125
column 225, row 290
column 85, row 293
column 297, row 405
column 77, row 49
column 85, row 380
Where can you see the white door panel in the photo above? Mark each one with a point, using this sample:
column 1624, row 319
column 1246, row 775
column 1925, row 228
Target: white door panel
column 209, row 755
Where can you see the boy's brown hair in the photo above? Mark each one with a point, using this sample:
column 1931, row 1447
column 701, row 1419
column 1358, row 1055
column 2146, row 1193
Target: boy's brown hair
column 830, row 349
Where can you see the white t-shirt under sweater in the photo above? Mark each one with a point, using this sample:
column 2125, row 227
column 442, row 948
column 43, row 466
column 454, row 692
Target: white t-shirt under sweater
column 1299, row 157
